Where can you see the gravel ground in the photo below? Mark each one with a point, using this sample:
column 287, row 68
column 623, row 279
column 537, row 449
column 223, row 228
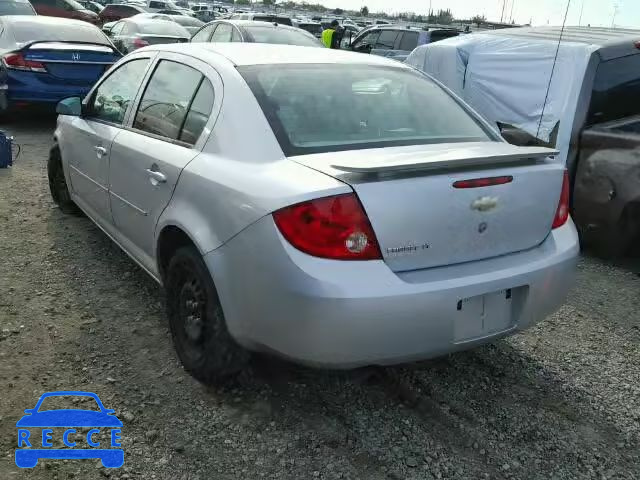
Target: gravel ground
column 560, row 401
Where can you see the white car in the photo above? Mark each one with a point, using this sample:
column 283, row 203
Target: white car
column 367, row 218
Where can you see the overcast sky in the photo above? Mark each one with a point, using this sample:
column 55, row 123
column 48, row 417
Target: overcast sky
column 540, row 12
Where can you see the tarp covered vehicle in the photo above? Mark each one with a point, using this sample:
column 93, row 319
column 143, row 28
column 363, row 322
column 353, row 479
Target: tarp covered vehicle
column 589, row 109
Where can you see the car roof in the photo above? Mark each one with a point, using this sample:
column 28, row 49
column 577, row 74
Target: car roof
column 255, row 23
column 602, row 37
column 37, row 20
column 241, row 54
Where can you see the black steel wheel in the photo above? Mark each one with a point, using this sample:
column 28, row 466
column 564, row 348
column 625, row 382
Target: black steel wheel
column 197, row 323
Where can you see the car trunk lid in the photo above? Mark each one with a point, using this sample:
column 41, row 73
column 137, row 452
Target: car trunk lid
column 71, row 62
column 153, row 39
column 421, row 220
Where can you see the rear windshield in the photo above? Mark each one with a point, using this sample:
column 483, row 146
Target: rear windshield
column 16, row 8
column 616, row 90
column 188, row 21
column 161, row 27
column 273, row 19
column 315, row 109
column 269, row 34
column 30, row 32
column 120, row 10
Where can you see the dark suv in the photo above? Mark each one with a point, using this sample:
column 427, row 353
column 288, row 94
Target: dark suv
column 396, row 41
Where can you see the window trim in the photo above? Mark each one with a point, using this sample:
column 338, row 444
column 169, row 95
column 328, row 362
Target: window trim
column 88, row 100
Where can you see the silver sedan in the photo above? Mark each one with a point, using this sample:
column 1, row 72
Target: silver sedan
column 336, row 209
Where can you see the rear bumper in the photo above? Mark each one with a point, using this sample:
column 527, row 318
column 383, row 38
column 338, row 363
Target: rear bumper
column 351, row 314
column 30, row 87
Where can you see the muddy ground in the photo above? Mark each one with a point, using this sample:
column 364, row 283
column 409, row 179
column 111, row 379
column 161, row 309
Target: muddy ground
column 560, row 401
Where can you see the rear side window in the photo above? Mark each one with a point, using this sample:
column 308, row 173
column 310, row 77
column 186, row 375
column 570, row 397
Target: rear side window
column 386, row 40
column 167, row 100
column 198, row 114
column 409, row 41
column 616, row 90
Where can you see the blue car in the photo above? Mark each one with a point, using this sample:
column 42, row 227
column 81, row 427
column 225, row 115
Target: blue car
column 29, row 452
column 45, row 59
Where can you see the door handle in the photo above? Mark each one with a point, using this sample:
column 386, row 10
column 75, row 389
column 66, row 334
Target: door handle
column 157, row 176
column 100, row 151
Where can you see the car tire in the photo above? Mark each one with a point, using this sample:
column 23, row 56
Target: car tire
column 58, row 183
column 198, row 327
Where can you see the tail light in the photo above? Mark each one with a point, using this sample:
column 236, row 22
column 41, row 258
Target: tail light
column 16, row 61
column 139, row 43
column 562, row 213
column 333, row 227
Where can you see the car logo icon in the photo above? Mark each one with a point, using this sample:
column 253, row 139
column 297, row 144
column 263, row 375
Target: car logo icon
column 70, row 420
column 75, row 57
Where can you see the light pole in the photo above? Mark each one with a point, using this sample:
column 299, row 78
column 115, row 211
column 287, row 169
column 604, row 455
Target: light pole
column 581, row 12
column 511, row 16
column 504, row 5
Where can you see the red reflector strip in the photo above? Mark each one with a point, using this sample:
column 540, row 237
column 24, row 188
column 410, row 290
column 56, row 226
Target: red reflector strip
column 483, row 182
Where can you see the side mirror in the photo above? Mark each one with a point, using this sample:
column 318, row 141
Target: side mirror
column 70, row 106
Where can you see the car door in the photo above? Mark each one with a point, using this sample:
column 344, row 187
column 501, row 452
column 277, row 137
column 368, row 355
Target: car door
column 164, row 136
column 87, row 145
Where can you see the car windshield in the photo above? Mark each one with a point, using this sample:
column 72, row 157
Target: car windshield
column 161, row 27
column 356, row 107
column 28, row 32
column 69, row 402
column 16, row 8
column 285, row 36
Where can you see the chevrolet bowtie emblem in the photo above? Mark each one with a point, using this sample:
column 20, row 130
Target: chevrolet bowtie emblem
column 484, row 204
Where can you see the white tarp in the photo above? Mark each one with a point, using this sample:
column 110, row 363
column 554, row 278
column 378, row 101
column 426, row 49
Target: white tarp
column 505, row 79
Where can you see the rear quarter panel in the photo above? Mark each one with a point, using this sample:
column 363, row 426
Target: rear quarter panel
column 241, row 174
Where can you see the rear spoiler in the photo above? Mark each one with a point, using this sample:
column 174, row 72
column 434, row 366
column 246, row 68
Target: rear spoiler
column 68, row 45
column 456, row 156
